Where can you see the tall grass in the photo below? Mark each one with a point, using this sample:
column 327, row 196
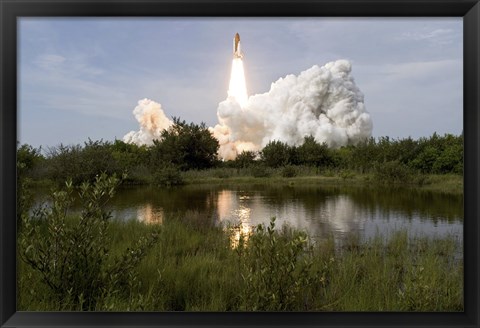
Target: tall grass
column 194, row 267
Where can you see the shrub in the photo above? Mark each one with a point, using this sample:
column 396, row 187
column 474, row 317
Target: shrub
column 450, row 160
column 167, row 176
column 347, row 174
column 314, row 154
column 276, row 269
column 245, row 159
column 188, row 146
column 276, row 154
column 223, row 173
column 289, row 171
column 139, row 174
column 260, row 171
column 28, row 159
column 393, row 172
column 71, row 255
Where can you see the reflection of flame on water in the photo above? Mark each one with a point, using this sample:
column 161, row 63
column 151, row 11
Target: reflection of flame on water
column 243, row 230
column 148, row 215
column 239, row 232
column 224, row 203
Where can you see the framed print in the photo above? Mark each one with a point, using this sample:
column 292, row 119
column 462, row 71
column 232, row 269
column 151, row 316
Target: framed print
column 222, row 163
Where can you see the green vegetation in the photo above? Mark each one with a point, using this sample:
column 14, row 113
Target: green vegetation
column 187, row 146
column 187, row 153
column 71, row 255
column 93, row 262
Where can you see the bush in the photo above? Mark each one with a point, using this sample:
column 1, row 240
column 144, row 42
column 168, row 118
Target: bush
column 223, row 173
column 314, row 154
column 289, row 171
column 72, row 255
column 393, row 172
column 81, row 163
column 260, row 171
column 139, row 174
column 276, row 154
column 167, row 176
column 276, row 270
column 245, row 159
column 187, row 146
column 28, row 159
column 346, row 175
column 450, row 160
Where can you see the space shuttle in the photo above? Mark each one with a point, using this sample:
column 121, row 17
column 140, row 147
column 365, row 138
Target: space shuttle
column 237, row 53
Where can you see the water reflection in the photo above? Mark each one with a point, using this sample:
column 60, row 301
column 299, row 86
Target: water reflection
column 320, row 211
column 340, row 212
column 148, row 214
column 238, row 232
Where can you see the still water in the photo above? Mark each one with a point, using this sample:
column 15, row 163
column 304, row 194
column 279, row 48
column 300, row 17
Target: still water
column 320, row 211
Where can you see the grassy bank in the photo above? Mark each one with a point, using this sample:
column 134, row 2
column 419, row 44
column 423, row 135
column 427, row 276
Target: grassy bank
column 192, row 266
column 445, row 183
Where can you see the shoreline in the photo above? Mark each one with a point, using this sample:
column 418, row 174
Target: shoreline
column 447, row 184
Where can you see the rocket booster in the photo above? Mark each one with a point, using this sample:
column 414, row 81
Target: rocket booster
column 237, row 53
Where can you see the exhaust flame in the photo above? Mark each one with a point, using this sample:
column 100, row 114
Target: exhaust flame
column 238, row 88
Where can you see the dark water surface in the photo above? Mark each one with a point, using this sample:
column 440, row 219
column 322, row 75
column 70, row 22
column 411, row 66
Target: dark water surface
column 321, row 211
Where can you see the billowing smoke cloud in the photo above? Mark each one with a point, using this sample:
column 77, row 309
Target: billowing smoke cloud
column 152, row 120
column 323, row 102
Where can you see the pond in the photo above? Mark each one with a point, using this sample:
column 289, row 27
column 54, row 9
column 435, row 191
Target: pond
column 321, row 211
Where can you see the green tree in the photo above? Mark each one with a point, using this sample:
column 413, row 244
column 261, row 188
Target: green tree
column 364, row 155
column 81, row 163
column 245, row 159
column 29, row 157
column 450, row 160
column 426, row 158
column 276, row 154
column 314, row 154
column 129, row 155
column 63, row 162
column 187, row 146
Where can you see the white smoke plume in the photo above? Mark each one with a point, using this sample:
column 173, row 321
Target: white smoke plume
column 323, row 102
column 152, row 120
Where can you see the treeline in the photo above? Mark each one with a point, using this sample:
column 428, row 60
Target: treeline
column 433, row 155
column 182, row 147
column 191, row 147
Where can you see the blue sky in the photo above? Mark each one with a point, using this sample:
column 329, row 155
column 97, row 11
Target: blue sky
column 80, row 78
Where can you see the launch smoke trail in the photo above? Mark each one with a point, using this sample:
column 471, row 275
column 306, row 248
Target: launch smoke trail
column 322, row 102
column 152, row 120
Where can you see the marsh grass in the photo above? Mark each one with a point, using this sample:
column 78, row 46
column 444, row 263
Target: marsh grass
column 193, row 267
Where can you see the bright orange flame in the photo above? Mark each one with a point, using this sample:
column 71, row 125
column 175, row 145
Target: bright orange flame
column 238, row 87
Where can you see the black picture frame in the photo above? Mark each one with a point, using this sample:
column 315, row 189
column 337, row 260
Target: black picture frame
column 10, row 10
